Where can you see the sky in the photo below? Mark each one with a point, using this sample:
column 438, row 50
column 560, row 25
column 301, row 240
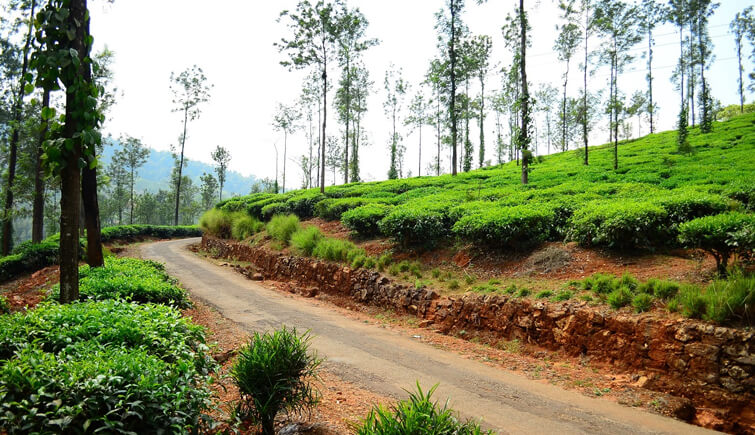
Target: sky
column 232, row 41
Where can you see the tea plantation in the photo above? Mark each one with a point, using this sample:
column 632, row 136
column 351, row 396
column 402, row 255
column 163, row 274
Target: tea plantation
column 645, row 204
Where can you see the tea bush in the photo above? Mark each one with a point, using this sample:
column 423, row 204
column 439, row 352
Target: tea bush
column 720, row 235
column 364, row 219
column 518, row 226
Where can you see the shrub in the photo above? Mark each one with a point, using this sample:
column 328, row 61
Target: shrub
column 129, row 278
column 691, row 301
column 281, row 227
column 421, row 224
column 453, row 284
column 629, row 281
column 273, row 373
column 271, row 210
column 564, row 295
column 517, row 226
column 717, row 235
column 364, row 220
column 600, row 283
column 665, row 289
column 218, row 223
column 642, row 302
column 333, row 208
column 435, row 273
column 28, row 257
column 544, row 294
column 416, row 415
column 4, row 305
column 384, row 260
column 369, row 263
column 358, row 261
column 106, row 366
column 686, row 205
column 303, row 203
column 620, row 297
column 621, row 225
column 244, row 226
column 731, row 300
column 305, row 240
column 523, row 292
column 333, row 249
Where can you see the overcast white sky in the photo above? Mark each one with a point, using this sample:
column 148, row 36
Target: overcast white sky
column 232, row 40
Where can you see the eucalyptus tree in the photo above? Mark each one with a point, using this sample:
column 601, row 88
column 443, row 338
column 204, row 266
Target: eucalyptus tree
column 286, row 119
column 482, row 46
column 678, row 14
column 418, row 117
column 565, row 46
column 362, row 86
column 546, row 97
column 351, row 43
column 310, row 101
column 222, row 158
column 740, row 26
column 16, row 112
column 451, row 29
column 651, row 14
column 189, row 89
column 118, row 176
column 395, row 89
column 315, row 32
column 499, row 104
column 617, row 22
column 701, row 11
column 434, row 77
column 131, row 156
column 638, row 106
column 208, row 190
column 62, row 32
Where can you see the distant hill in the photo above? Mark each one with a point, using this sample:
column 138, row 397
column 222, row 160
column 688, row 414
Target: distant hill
column 155, row 174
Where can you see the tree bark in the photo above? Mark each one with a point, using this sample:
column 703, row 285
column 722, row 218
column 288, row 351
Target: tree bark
column 651, row 107
column 584, row 93
column 181, row 166
column 70, row 176
column 324, row 122
column 452, row 53
column 92, row 216
column 13, row 146
column 38, row 206
column 525, row 93
column 348, row 117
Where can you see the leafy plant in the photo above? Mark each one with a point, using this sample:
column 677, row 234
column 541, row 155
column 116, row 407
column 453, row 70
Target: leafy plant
column 416, row 415
column 274, row 372
column 281, row 227
column 305, row 240
column 718, row 235
column 244, row 226
column 620, row 297
column 4, row 305
column 642, row 302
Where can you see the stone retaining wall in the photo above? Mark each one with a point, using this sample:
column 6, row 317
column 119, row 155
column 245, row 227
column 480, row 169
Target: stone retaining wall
column 710, row 365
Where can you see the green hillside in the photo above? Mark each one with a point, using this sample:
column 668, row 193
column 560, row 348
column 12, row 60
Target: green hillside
column 640, row 205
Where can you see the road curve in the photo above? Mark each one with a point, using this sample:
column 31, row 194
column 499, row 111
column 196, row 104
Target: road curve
column 386, row 362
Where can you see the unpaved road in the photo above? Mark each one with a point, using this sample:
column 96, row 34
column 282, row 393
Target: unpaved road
column 386, row 362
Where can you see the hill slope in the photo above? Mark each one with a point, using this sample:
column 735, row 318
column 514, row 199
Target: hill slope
column 640, row 205
column 155, row 174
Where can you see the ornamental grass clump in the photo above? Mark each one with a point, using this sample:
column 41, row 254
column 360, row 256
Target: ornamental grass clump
column 282, row 227
column 275, row 372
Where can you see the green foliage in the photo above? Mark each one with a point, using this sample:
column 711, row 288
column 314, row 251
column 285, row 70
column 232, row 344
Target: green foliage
column 629, row 281
column 523, row 292
column 642, row 302
column 106, row 366
column 274, row 372
column 417, row 223
column 665, row 289
column 517, row 226
column 620, row 297
column 416, row 415
column 564, row 295
column 691, row 301
column 245, row 226
column 364, row 220
column 453, row 284
column 4, row 305
column 129, row 278
column 544, row 294
column 720, row 235
column 281, row 227
column 305, row 240
column 600, row 283
column 335, row 249
column 731, row 300
column 624, row 225
column 128, row 233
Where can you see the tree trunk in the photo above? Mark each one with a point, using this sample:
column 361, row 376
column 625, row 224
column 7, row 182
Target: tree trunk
column 131, row 212
column 437, row 125
column 13, row 147
column 452, row 53
column 419, row 164
column 563, row 110
column 482, row 122
column 651, row 107
column 525, row 93
column 38, row 207
column 348, row 117
column 180, row 166
column 92, row 216
column 324, row 122
column 70, row 176
column 285, row 145
column 584, row 94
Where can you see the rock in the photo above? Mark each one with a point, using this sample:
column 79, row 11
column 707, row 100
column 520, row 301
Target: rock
column 425, row 323
column 642, row 381
column 682, row 408
column 257, row 277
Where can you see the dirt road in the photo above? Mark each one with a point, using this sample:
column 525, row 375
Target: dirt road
column 386, row 362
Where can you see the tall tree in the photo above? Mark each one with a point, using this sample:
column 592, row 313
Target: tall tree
column 315, row 31
column 395, row 89
column 617, row 22
column 309, row 101
column 208, row 190
column 678, row 13
column 451, row 29
column 119, row 182
column 482, row 46
column 362, row 87
column 515, row 30
column 565, row 46
column 60, row 35
column 190, row 89
column 740, row 25
column 286, row 120
column 651, row 14
column 434, row 77
column 351, row 43
column 7, row 218
column 546, row 96
column 702, row 10
column 222, row 158
column 418, row 117
column 133, row 156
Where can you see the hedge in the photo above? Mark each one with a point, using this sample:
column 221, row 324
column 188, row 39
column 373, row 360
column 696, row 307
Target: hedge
column 623, row 225
column 519, row 226
column 364, row 220
column 721, row 235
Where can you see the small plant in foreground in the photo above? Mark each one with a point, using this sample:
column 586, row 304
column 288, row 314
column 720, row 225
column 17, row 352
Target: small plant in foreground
column 453, row 284
column 620, row 297
column 544, row 294
column 281, row 227
column 564, row 295
column 436, row 273
column 274, row 372
column 416, row 415
column 4, row 305
column 305, row 240
column 523, row 292
column 642, row 302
